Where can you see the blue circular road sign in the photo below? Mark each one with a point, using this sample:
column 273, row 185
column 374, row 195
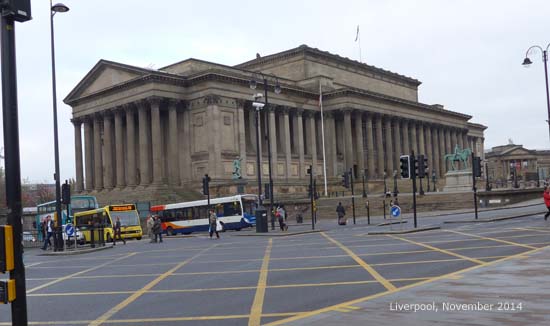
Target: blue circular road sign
column 395, row 211
column 69, row 229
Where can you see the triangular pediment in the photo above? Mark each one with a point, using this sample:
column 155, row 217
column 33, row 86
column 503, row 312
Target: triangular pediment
column 105, row 74
column 517, row 151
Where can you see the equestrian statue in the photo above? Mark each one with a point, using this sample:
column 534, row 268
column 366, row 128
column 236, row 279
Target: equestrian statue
column 458, row 156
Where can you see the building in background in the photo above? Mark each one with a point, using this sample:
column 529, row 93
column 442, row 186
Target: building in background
column 155, row 133
column 528, row 164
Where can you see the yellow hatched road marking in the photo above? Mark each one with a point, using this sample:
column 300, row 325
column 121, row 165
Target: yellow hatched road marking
column 224, row 289
column 79, row 273
column 381, row 294
column 533, row 230
column 492, row 239
column 361, row 262
column 140, row 292
column 257, row 306
column 152, row 320
column 477, row 261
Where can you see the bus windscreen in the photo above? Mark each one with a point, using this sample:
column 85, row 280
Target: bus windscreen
column 127, row 218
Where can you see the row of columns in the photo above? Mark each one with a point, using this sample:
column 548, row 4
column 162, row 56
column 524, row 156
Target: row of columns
column 122, row 151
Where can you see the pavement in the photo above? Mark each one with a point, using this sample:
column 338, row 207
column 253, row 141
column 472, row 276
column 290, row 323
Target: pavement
column 513, row 291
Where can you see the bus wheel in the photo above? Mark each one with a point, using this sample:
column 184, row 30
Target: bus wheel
column 169, row 231
column 238, row 229
column 138, row 238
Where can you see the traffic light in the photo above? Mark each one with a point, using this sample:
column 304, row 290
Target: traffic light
column 315, row 194
column 405, row 161
column 7, row 291
column 20, row 10
column 205, row 185
column 6, row 249
column 476, row 166
column 66, row 194
column 422, row 164
column 345, row 180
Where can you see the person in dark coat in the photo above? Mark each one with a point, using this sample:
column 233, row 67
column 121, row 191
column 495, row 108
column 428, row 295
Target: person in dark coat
column 341, row 211
column 212, row 218
column 157, row 229
column 118, row 232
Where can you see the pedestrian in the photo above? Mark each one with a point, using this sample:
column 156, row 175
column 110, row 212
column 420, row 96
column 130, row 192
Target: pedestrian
column 341, row 211
column 157, row 229
column 118, row 231
column 48, row 229
column 213, row 224
column 546, row 197
column 150, row 223
column 298, row 214
column 280, row 214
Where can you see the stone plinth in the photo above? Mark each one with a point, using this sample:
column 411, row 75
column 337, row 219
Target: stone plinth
column 458, row 181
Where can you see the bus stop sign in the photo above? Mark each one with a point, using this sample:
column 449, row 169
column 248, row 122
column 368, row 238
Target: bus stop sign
column 395, row 211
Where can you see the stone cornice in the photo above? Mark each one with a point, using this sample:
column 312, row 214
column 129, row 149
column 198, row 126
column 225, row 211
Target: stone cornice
column 386, row 98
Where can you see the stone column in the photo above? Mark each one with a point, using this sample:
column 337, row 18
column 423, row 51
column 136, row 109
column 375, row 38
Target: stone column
column 370, row 148
column 156, row 139
column 108, row 165
column 414, row 141
column 330, row 140
column 300, row 141
column 285, row 136
column 144, row 154
column 98, row 163
column 465, row 139
column 389, row 146
column 441, row 146
column 78, row 155
column 173, row 157
column 242, row 134
column 348, row 147
column 119, row 149
column 460, row 139
column 405, row 145
column 311, row 133
column 421, row 141
column 397, row 134
column 130, row 146
column 380, row 147
column 359, row 151
column 429, row 146
column 214, row 143
column 454, row 138
column 437, row 154
column 89, row 152
column 186, row 168
column 448, row 145
column 273, row 139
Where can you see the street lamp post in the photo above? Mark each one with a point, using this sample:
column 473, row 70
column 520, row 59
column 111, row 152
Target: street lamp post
column 258, row 106
column 427, row 180
column 385, row 192
column 433, row 180
column 365, row 175
column 253, row 85
column 527, row 62
column 58, row 7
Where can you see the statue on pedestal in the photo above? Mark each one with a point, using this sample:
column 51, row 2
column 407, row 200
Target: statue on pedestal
column 237, row 169
column 459, row 156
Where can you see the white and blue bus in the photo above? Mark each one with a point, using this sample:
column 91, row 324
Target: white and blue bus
column 234, row 213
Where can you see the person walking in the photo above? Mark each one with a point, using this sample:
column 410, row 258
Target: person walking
column 48, row 229
column 546, row 196
column 118, row 232
column 157, row 229
column 341, row 211
column 213, row 223
column 150, row 223
column 280, row 214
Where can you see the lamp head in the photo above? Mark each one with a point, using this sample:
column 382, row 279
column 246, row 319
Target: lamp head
column 527, row 62
column 253, row 84
column 277, row 87
column 59, row 7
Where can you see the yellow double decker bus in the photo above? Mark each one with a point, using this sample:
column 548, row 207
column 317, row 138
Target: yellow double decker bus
column 106, row 216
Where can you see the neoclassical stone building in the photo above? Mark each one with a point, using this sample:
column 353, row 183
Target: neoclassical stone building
column 529, row 164
column 139, row 128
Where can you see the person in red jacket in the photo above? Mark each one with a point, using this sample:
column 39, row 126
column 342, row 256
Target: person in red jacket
column 546, row 196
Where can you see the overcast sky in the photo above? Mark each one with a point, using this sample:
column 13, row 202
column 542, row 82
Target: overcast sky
column 467, row 54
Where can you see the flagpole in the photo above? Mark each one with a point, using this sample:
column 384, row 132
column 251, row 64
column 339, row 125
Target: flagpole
column 323, row 139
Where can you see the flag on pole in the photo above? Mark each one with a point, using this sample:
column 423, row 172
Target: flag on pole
column 357, row 34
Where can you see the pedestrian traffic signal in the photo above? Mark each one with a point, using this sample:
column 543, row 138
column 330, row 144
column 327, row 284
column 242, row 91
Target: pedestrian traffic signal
column 405, row 161
column 6, row 249
column 345, row 180
column 315, row 194
column 66, row 194
column 476, row 166
column 422, row 163
column 205, row 185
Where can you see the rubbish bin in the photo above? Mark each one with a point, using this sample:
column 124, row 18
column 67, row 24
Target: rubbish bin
column 261, row 220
